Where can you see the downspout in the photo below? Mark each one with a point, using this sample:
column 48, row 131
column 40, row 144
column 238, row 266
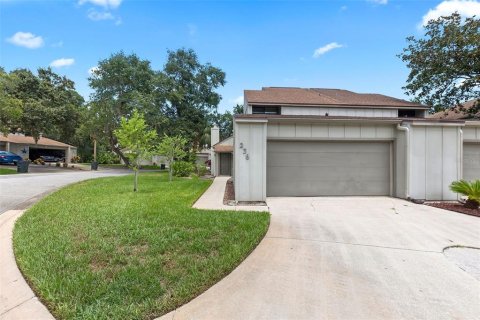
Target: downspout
column 460, row 159
column 407, row 158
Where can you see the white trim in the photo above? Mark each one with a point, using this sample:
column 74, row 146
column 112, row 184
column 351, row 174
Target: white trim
column 407, row 159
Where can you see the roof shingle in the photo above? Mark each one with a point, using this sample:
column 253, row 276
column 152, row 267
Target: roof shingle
column 324, row 97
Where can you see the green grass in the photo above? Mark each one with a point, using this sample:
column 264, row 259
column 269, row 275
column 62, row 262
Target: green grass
column 97, row 250
column 7, row 171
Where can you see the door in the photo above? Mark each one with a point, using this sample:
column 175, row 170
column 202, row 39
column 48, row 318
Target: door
column 307, row 168
column 225, row 164
column 471, row 161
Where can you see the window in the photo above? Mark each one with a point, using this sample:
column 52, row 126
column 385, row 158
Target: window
column 265, row 110
column 406, row 113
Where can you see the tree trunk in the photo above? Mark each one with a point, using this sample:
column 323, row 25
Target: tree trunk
column 113, row 143
column 170, row 172
column 135, row 182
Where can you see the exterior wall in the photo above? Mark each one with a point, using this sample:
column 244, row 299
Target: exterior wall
column 471, row 132
column 400, row 162
column 338, row 111
column 19, row 149
column 250, row 167
column 331, row 131
column 435, row 161
column 214, row 139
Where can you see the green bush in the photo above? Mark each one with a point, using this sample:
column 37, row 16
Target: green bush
column 182, row 168
column 108, row 157
column 470, row 189
column 201, row 170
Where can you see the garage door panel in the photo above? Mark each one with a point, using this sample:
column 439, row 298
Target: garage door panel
column 317, row 146
column 280, row 174
column 323, row 159
column 327, row 168
column 312, row 189
column 471, row 161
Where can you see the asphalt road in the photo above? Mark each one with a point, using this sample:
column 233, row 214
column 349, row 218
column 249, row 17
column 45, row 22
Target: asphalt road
column 18, row 191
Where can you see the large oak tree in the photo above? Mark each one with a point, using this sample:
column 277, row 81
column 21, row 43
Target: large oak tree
column 445, row 63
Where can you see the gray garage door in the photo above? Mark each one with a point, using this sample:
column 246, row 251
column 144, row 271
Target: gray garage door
column 304, row 168
column 471, row 161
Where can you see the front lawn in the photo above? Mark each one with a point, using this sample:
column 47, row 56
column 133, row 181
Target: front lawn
column 97, row 250
column 7, row 171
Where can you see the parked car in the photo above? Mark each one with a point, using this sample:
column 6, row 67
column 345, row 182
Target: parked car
column 9, row 157
column 50, row 158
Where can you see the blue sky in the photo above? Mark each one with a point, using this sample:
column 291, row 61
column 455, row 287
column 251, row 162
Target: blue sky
column 332, row 44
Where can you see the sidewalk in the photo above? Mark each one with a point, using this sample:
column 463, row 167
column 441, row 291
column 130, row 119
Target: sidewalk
column 212, row 199
column 17, row 300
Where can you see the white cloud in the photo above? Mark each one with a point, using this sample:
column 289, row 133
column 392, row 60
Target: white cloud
column 92, row 70
column 192, row 29
column 237, row 100
column 63, row 62
column 466, row 8
column 97, row 16
column 322, row 50
column 379, row 1
column 103, row 3
column 26, row 39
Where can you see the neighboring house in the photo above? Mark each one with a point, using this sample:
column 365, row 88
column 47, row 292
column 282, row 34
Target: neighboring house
column 221, row 154
column 26, row 147
column 456, row 113
column 329, row 142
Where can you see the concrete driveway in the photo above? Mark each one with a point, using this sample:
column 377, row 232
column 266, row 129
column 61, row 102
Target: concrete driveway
column 349, row 258
column 20, row 190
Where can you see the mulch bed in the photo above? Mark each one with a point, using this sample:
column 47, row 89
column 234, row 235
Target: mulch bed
column 455, row 206
column 229, row 192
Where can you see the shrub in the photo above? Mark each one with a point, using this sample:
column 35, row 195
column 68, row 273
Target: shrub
column 469, row 189
column 182, row 168
column 57, row 164
column 75, row 159
column 108, row 157
column 39, row 161
column 201, row 170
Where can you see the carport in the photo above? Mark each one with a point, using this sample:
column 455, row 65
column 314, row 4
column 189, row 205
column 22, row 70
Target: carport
column 26, row 147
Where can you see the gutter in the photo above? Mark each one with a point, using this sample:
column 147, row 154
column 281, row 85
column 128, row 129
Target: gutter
column 407, row 158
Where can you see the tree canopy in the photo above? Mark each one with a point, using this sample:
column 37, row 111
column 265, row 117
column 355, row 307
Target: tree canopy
column 176, row 100
column 445, row 63
column 135, row 136
column 43, row 103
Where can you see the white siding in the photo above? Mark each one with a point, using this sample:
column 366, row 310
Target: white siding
column 472, row 133
column 338, row 111
column 400, row 164
column 330, row 131
column 434, row 161
column 250, row 174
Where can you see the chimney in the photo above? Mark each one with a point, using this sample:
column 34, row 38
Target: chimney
column 214, row 135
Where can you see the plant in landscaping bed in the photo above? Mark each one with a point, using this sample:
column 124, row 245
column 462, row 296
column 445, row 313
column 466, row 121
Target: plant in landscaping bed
column 201, row 170
column 172, row 148
column 182, row 168
column 469, row 189
column 134, row 136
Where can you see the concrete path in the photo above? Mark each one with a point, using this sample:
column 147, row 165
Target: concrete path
column 17, row 300
column 349, row 258
column 212, row 199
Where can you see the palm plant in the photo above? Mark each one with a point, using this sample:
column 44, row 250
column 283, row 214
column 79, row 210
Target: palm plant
column 469, row 189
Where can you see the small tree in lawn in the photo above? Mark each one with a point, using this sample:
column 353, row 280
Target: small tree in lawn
column 134, row 136
column 172, row 148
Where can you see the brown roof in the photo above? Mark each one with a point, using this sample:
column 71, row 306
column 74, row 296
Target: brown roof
column 324, row 97
column 223, row 148
column 21, row 139
column 456, row 114
column 309, row 117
